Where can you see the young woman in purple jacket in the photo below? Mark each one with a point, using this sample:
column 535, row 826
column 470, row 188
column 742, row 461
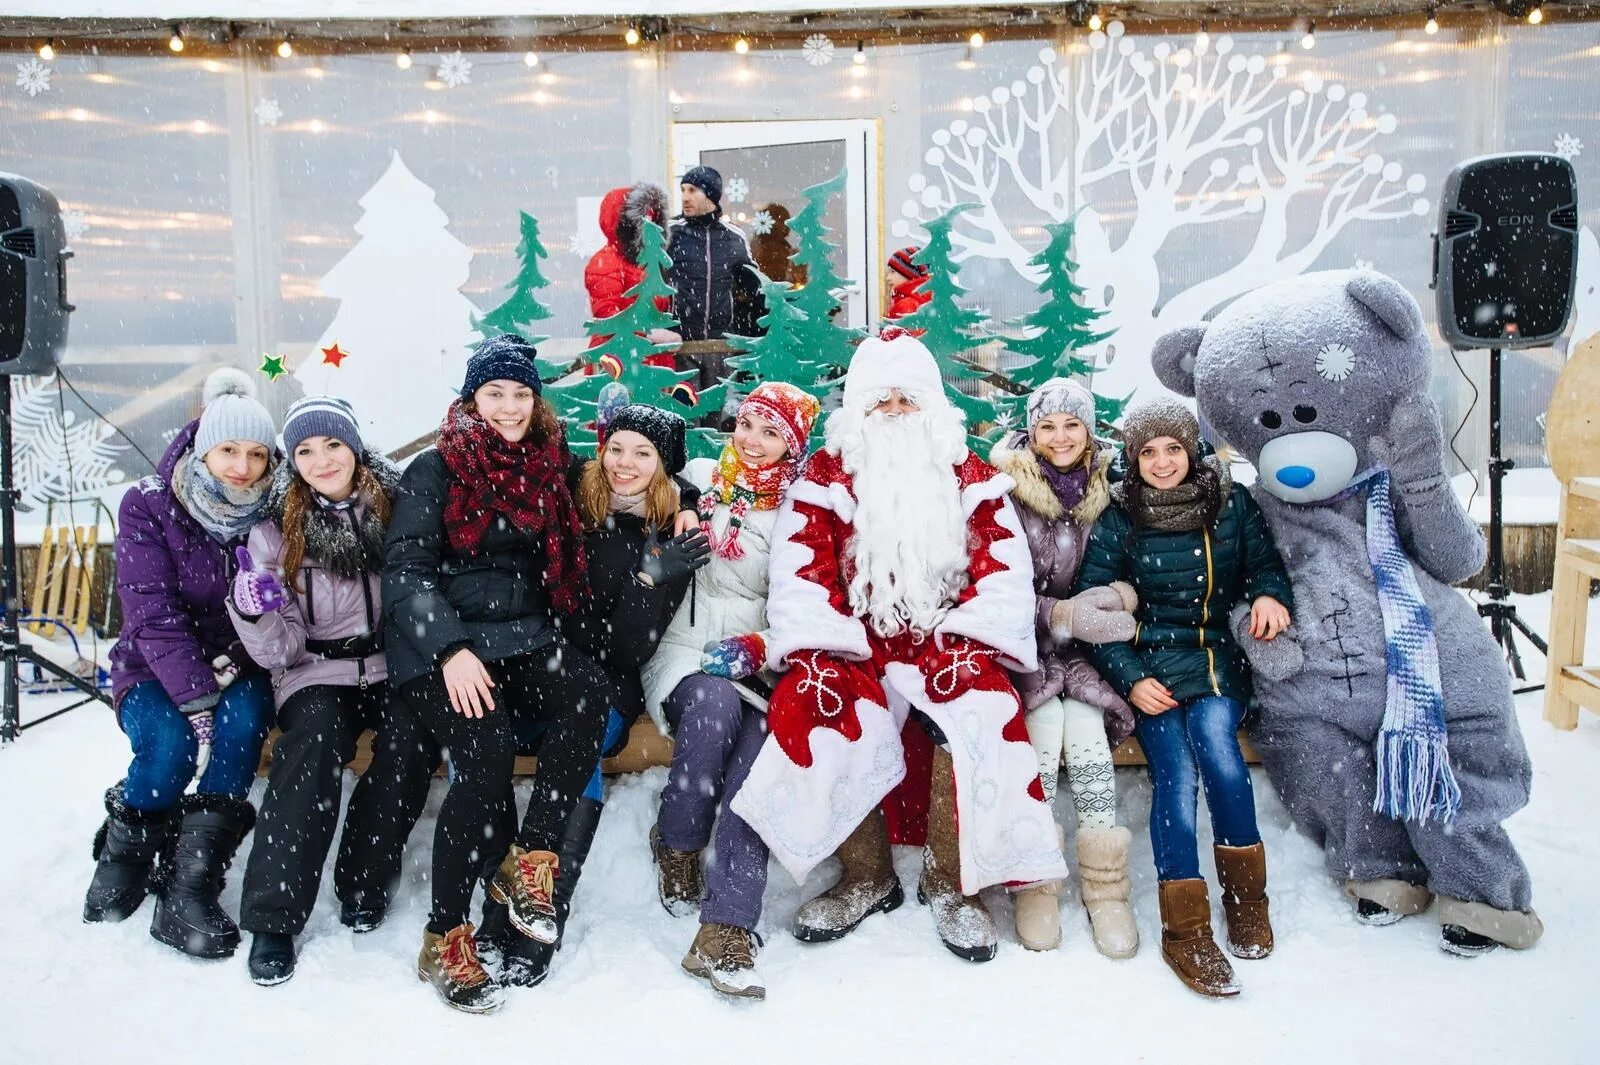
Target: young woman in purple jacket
column 187, row 694
column 307, row 605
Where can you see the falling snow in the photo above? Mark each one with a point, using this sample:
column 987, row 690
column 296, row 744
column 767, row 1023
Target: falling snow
column 455, row 70
column 33, row 77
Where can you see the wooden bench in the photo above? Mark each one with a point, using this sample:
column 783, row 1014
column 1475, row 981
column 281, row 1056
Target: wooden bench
column 1572, row 440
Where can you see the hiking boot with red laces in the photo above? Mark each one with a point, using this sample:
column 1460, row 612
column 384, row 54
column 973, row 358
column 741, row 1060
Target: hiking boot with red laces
column 526, row 882
column 450, row 963
column 725, row 956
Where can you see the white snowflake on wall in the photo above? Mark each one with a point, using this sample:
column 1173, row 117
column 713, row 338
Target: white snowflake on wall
column 73, row 223
column 455, row 70
column 33, row 77
column 737, row 189
column 58, row 455
column 1568, row 146
column 761, row 224
column 268, row 111
column 818, row 49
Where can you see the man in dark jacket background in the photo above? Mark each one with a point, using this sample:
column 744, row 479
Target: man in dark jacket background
column 716, row 292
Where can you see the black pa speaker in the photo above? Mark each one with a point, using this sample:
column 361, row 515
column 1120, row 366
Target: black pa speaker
column 33, row 278
column 1505, row 256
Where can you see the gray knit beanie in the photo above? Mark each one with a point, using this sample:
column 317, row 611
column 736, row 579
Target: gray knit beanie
column 1160, row 417
column 321, row 416
column 232, row 412
column 1060, row 396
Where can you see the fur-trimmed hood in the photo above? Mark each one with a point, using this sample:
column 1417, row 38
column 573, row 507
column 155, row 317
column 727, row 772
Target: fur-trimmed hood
column 330, row 540
column 623, row 213
column 1013, row 455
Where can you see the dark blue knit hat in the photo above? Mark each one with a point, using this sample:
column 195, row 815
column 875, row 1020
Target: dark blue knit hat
column 664, row 429
column 506, row 357
column 706, row 180
column 321, row 416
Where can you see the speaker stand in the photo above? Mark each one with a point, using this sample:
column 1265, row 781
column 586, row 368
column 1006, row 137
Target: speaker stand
column 12, row 650
column 1504, row 621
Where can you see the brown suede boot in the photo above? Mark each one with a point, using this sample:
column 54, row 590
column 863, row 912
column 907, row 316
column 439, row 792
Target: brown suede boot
column 1243, row 874
column 1186, row 941
column 526, row 883
column 725, row 956
column 450, row 963
column 867, row 885
column 964, row 924
column 680, row 883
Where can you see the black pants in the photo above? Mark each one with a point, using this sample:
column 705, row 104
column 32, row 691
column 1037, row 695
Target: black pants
column 385, row 806
column 301, row 808
column 478, row 812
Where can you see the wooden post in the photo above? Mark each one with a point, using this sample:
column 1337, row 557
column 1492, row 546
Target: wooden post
column 41, row 576
column 90, row 547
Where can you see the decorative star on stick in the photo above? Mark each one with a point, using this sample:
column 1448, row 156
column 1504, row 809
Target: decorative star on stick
column 333, row 356
column 272, row 366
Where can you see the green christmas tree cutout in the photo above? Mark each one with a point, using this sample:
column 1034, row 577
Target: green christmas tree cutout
column 820, row 340
column 1058, row 331
column 948, row 330
column 522, row 308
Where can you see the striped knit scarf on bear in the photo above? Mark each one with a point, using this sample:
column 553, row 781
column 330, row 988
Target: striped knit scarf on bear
column 742, row 488
column 1415, row 781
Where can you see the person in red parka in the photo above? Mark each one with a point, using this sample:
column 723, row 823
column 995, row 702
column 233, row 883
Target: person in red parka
column 908, row 293
column 615, row 269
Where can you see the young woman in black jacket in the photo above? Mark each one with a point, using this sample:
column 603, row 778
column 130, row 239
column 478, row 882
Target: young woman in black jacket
column 484, row 546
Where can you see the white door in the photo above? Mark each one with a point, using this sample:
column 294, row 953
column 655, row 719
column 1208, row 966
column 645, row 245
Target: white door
column 764, row 167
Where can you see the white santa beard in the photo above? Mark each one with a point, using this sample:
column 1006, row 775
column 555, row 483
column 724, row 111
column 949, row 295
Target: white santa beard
column 909, row 547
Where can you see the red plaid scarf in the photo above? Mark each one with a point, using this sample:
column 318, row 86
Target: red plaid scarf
column 525, row 482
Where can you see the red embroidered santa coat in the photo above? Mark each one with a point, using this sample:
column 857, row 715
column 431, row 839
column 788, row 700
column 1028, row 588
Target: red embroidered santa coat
column 823, row 769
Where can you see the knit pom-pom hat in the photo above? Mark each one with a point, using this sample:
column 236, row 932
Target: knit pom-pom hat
column 791, row 409
column 232, row 412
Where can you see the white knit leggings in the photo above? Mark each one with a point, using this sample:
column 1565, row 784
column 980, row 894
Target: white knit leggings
column 1080, row 730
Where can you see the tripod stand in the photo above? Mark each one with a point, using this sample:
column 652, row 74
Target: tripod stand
column 1504, row 622
column 12, row 651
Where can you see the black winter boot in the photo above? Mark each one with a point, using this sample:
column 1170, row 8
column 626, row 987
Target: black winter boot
column 189, row 916
column 271, row 958
column 527, row 961
column 125, row 851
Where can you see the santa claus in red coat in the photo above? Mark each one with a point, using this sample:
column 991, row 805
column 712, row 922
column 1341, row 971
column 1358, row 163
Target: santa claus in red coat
column 901, row 585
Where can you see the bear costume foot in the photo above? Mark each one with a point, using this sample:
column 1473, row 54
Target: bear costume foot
column 1517, row 929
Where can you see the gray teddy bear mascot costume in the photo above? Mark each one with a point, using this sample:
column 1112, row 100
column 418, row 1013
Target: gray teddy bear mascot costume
column 1387, row 726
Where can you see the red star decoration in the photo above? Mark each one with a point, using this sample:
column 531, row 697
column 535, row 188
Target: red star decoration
column 332, row 356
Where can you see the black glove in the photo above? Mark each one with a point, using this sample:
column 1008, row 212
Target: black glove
column 664, row 561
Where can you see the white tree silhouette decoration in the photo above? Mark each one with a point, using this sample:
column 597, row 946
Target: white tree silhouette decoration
column 1197, row 135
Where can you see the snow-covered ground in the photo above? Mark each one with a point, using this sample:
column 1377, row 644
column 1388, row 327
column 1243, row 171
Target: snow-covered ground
column 1333, row 991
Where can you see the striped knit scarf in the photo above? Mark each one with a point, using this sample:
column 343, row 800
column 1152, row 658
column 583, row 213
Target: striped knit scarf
column 742, row 488
column 1415, row 781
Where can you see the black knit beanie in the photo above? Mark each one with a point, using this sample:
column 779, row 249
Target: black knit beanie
column 662, row 428
column 506, row 357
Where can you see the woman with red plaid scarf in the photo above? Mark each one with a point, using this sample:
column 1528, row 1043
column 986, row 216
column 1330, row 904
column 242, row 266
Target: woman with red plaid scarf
column 484, row 546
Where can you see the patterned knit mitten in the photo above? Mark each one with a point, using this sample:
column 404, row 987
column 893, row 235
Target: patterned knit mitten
column 255, row 592
column 734, row 658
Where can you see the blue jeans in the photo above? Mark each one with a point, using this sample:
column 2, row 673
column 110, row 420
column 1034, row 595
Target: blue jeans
column 1197, row 742
column 165, row 749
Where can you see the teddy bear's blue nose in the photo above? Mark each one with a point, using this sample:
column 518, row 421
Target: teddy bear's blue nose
column 1296, row 476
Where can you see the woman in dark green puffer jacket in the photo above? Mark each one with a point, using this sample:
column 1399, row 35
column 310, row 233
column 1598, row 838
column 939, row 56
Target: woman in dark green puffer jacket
column 1198, row 552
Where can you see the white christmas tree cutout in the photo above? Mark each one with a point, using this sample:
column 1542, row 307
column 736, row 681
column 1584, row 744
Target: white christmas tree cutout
column 401, row 310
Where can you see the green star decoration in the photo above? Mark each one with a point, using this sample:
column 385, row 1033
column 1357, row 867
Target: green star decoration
column 272, row 366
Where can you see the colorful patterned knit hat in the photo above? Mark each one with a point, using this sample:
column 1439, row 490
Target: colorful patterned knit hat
column 791, row 409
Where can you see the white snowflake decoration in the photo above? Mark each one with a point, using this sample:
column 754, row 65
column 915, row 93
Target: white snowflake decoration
column 762, row 223
column 455, row 70
column 268, row 111
column 1335, row 362
column 818, row 49
column 1363, row 264
column 73, row 223
column 737, row 189
column 1568, row 146
column 33, row 77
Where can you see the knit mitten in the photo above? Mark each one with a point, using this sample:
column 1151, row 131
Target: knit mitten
column 734, row 658
column 255, row 592
column 1094, row 615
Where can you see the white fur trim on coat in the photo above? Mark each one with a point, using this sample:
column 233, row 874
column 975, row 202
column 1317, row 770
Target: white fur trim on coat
column 799, row 615
column 1000, row 612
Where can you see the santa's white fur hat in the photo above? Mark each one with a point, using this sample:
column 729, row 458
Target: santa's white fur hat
column 895, row 360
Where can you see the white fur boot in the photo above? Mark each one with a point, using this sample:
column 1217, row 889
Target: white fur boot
column 1103, row 868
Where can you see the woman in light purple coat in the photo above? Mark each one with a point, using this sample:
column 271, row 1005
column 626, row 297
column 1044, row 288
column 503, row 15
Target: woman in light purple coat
column 1060, row 472
column 306, row 604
